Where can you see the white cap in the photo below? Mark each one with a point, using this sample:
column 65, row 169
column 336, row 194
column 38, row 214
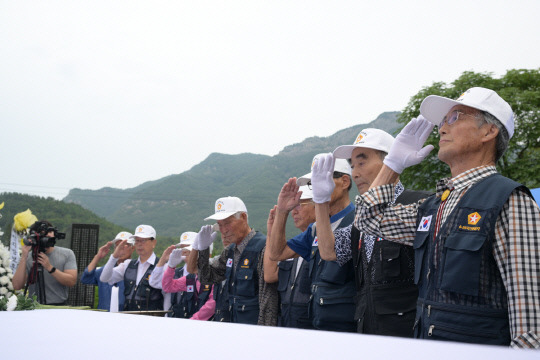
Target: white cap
column 434, row 108
column 227, row 206
column 188, row 238
column 370, row 138
column 307, row 193
column 124, row 235
column 340, row 165
column 144, row 231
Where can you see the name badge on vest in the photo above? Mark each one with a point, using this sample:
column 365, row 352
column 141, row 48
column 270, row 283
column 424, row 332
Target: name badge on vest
column 471, row 221
column 190, row 288
column 425, row 223
column 229, row 262
column 315, row 242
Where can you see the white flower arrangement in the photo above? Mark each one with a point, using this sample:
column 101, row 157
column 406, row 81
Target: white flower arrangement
column 6, row 287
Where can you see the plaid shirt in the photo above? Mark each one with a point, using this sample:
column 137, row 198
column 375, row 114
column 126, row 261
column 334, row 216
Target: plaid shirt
column 516, row 246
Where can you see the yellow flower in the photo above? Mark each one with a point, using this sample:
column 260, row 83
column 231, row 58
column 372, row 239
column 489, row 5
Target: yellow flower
column 24, row 220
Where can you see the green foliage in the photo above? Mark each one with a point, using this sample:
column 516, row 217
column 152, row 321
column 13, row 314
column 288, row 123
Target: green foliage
column 521, row 162
column 59, row 213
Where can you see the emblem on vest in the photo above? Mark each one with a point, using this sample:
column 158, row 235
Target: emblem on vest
column 425, row 223
column 315, row 242
column 472, row 221
column 190, row 288
column 246, row 264
column 229, row 262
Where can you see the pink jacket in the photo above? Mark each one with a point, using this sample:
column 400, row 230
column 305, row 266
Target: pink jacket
column 172, row 285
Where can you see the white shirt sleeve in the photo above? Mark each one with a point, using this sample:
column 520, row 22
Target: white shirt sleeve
column 156, row 277
column 112, row 274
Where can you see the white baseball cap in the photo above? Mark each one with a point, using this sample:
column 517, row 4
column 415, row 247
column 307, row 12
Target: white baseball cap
column 124, row 235
column 434, row 108
column 340, row 165
column 144, row 231
column 369, row 138
column 227, row 206
column 188, row 238
column 307, row 193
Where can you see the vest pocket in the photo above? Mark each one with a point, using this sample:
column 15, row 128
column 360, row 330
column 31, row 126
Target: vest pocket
column 245, row 285
column 284, row 274
column 419, row 246
column 247, row 313
column 390, row 260
column 462, row 259
column 333, row 273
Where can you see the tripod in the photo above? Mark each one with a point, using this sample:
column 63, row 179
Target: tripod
column 36, row 276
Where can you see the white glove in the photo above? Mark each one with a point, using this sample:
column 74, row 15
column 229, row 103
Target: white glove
column 322, row 179
column 175, row 258
column 205, row 237
column 195, row 245
column 407, row 148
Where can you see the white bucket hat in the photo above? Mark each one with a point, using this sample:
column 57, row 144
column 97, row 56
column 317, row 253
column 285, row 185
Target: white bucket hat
column 227, row 206
column 367, row 138
column 434, row 108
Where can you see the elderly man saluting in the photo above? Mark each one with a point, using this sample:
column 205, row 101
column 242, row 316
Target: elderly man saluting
column 476, row 239
column 250, row 299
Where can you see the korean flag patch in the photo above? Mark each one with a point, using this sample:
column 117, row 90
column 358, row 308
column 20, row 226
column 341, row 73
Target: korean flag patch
column 425, row 223
column 229, row 262
column 315, row 242
column 190, row 288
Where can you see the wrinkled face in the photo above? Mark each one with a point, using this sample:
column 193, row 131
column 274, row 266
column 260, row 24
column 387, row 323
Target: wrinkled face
column 303, row 214
column 144, row 246
column 365, row 165
column 233, row 230
column 463, row 137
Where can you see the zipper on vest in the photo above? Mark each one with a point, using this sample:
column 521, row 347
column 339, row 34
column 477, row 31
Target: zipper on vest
column 430, row 331
column 427, row 275
column 429, row 310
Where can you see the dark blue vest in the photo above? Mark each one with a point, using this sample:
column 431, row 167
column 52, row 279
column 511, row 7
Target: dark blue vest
column 243, row 286
column 333, row 289
column 461, row 293
column 186, row 303
column 141, row 296
column 295, row 294
column 386, row 293
column 221, row 296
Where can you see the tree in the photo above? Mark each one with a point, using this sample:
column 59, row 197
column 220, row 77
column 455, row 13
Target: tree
column 521, row 162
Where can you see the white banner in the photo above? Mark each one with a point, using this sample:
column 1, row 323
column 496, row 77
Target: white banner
column 14, row 249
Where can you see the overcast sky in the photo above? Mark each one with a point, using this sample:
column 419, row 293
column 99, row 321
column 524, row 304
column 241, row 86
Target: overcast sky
column 116, row 93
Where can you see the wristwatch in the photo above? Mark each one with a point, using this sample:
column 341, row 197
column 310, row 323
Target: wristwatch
column 52, row 270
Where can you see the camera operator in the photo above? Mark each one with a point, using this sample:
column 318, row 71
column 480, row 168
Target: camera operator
column 58, row 263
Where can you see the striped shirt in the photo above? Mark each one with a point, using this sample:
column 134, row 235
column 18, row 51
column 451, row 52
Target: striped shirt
column 516, row 247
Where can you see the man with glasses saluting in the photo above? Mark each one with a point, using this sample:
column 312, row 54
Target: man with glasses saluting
column 476, row 239
column 136, row 273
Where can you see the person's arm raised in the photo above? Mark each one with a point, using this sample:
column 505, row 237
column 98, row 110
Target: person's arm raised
column 276, row 243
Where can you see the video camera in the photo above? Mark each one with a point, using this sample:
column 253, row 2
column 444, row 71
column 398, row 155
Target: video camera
column 38, row 237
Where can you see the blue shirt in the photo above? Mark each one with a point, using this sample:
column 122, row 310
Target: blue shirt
column 302, row 243
column 104, row 289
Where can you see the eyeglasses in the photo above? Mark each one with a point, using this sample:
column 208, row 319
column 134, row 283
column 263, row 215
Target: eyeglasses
column 142, row 240
column 453, row 117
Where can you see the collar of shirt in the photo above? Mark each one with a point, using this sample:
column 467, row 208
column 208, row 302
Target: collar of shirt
column 342, row 213
column 240, row 247
column 151, row 260
column 465, row 179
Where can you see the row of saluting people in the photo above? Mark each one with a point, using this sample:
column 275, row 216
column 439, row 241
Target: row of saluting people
column 455, row 265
